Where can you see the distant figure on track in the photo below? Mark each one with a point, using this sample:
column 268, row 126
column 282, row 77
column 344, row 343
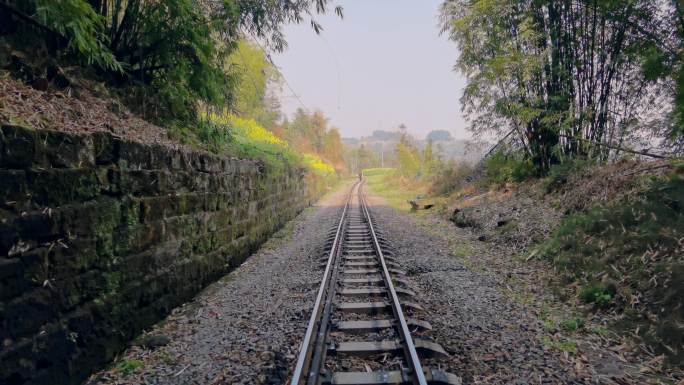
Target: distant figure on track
column 361, row 175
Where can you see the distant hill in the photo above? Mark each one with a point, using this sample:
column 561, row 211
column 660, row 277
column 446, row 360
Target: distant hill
column 383, row 143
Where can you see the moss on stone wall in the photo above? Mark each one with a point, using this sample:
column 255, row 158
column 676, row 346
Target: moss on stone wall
column 101, row 237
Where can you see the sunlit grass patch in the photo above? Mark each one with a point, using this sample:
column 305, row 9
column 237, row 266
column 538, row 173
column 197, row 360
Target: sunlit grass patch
column 129, row 366
column 225, row 132
column 396, row 190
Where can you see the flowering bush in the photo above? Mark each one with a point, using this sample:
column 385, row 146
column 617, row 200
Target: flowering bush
column 248, row 138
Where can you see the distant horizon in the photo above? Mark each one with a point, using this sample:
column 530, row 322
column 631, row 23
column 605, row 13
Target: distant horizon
column 423, row 137
column 384, row 64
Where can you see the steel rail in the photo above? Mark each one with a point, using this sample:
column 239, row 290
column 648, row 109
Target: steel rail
column 405, row 333
column 303, row 361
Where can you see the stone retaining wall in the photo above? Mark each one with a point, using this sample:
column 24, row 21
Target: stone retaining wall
column 101, row 237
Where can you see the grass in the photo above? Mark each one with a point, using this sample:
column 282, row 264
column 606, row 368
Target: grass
column 397, row 192
column 568, row 346
column 129, row 366
column 573, row 324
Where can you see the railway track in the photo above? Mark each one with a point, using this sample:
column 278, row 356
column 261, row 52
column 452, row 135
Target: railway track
column 360, row 330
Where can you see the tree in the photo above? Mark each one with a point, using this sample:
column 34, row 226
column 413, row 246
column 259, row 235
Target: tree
column 428, row 158
column 361, row 158
column 171, row 53
column 562, row 76
column 257, row 78
column 408, row 157
column 310, row 132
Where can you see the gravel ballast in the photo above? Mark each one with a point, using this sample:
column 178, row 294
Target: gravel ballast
column 490, row 339
column 246, row 328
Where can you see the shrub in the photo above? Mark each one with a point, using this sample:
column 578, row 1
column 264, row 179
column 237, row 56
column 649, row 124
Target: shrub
column 573, row 324
column 596, row 294
column 246, row 137
column 450, row 177
column 502, row 167
column 130, row 366
column 559, row 173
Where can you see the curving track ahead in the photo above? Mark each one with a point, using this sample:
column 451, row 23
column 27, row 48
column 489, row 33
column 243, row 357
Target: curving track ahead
column 361, row 323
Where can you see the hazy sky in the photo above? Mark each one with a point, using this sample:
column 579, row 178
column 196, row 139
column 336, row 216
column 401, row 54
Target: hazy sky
column 383, row 65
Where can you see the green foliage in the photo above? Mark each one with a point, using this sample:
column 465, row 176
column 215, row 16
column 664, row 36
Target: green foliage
column 409, row 160
column 387, row 182
column 596, row 294
column 171, row 55
column 573, row 324
column 568, row 346
column 247, row 138
column 311, row 133
column 130, row 366
column 502, row 167
column 83, row 28
column 182, row 60
column 368, row 172
column 449, row 177
column 362, row 158
column 677, row 131
column 544, row 71
column 559, row 173
column 255, row 74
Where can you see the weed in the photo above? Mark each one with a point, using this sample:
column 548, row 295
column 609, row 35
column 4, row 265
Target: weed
column 461, row 250
column 573, row 324
column 600, row 331
column 129, row 366
column 568, row 346
column 502, row 167
column 559, row 173
column 596, row 294
column 166, row 358
column 630, row 249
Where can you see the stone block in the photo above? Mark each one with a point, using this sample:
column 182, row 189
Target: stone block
column 9, row 236
column 105, row 148
column 10, row 268
column 175, row 159
column 156, row 208
column 2, row 146
column 132, row 155
column 16, row 360
column 40, row 226
column 35, row 266
column 56, row 187
column 142, row 228
column 24, row 315
column 161, row 157
column 209, row 163
column 72, row 257
column 19, row 147
column 65, row 150
column 143, row 182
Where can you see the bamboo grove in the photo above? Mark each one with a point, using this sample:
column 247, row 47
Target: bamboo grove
column 167, row 55
column 569, row 78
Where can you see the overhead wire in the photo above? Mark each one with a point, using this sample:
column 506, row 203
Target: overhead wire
column 268, row 57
